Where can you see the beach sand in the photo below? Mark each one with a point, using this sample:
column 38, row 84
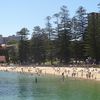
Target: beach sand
column 75, row 72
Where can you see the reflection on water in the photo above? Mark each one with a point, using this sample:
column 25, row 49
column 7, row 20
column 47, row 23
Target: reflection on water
column 15, row 86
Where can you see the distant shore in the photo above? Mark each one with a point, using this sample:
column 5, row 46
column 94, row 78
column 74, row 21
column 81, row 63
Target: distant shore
column 75, row 72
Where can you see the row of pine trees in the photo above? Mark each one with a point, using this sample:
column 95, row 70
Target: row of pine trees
column 62, row 40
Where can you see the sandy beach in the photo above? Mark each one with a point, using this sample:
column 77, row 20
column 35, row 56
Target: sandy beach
column 75, row 72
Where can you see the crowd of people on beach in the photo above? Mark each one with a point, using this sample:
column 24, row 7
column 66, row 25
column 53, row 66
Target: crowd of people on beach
column 79, row 70
column 65, row 72
column 87, row 73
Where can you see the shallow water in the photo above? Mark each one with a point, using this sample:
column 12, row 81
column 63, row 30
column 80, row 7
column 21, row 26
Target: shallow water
column 14, row 86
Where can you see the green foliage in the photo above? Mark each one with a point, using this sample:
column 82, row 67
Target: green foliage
column 77, row 50
column 81, row 22
column 13, row 52
column 38, row 45
column 24, row 51
column 12, row 42
column 63, row 43
column 23, row 33
column 23, row 46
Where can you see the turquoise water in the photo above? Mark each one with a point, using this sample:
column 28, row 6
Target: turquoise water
column 14, row 86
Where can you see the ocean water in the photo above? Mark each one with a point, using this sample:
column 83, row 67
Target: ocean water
column 15, row 86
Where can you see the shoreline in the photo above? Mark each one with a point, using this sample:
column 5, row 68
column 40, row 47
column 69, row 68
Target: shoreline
column 65, row 72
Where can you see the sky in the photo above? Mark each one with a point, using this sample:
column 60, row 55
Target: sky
column 16, row 14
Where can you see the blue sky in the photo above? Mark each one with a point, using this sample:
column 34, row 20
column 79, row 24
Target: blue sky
column 16, row 14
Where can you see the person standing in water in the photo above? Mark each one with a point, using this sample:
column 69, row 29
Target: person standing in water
column 35, row 79
column 63, row 77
